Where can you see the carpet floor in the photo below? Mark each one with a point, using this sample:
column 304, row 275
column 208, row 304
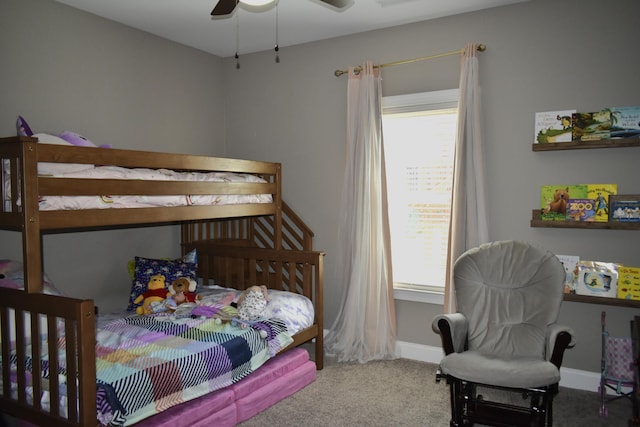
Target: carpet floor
column 404, row 392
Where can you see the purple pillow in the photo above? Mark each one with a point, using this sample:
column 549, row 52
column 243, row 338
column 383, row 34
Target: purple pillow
column 23, row 127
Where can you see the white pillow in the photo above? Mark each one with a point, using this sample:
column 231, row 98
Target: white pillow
column 295, row 310
column 46, row 168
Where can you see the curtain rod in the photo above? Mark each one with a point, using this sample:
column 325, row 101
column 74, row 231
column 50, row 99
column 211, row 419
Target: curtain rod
column 481, row 48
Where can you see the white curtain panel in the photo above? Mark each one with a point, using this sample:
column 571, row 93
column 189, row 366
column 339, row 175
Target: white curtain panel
column 469, row 206
column 365, row 328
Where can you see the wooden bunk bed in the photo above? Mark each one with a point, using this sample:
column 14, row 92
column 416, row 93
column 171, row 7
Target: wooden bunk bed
column 235, row 261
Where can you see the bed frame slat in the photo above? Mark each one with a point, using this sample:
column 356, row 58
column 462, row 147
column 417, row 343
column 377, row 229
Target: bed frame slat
column 4, row 326
column 35, row 361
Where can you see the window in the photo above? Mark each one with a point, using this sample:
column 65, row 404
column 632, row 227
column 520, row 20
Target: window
column 419, row 137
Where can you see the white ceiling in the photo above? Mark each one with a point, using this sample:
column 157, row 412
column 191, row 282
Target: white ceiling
column 189, row 22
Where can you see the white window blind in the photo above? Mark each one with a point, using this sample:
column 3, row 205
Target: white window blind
column 419, row 137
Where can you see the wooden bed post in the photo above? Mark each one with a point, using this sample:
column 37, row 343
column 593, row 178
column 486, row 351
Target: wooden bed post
column 86, row 363
column 319, row 310
column 278, row 215
column 31, row 237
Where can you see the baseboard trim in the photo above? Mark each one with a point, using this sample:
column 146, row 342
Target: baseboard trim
column 570, row 378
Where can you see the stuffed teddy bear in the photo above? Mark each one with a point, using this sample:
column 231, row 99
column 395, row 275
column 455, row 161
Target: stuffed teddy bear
column 187, row 287
column 182, row 290
column 252, row 304
column 153, row 298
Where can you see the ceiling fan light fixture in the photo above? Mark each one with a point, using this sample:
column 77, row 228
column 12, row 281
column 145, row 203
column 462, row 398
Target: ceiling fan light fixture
column 257, row 2
column 257, row 5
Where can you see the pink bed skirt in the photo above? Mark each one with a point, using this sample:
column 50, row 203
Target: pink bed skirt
column 275, row 380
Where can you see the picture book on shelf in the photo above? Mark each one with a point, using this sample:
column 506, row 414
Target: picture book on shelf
column 597, row 278
column 600, row 193
column 591, row 126
column 625, row 122
column 553, row 126
column 554, row 198
column 581, row 210
column 629, row 282
column 570, row 264
column 624, row 208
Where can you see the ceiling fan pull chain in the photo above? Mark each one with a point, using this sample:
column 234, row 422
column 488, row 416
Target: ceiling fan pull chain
column 237, row 40
column 277, row 48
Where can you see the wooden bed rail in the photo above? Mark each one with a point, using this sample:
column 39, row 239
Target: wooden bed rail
column 301, row 272
column 24, row 154
column 68, row 325
column 259, row 231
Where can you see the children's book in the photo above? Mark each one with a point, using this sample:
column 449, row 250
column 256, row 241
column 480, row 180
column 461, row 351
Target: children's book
column 553, row 126
column 554, row 198
column 625, row 122
column 591, row 126
column 597, row 279
column 629, row 282
column 622, row 209
column 600, row 193
column 582, row 210
column 570, row 264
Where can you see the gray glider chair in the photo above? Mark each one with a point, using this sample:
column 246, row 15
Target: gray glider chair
column 504, row 336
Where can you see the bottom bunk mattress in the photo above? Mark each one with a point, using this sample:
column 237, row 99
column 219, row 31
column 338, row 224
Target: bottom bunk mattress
column 147, row 364
column 276, row 380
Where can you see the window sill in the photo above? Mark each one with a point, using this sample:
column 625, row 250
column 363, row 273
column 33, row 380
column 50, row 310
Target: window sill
column 418, row 296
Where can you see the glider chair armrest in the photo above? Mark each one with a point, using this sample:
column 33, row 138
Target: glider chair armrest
column 559, row 338
column 453, row 331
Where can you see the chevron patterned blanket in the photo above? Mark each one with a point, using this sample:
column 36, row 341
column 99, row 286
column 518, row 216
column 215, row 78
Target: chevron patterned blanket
column 146, row 364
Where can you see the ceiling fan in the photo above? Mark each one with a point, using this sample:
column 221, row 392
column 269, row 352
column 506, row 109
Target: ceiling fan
column 227, row 7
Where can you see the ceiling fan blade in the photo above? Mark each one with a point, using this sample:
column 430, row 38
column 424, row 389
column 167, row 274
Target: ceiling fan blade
column 340, row 4
column 224, row 7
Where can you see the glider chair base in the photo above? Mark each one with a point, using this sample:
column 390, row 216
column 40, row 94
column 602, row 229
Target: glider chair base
column 468, row 407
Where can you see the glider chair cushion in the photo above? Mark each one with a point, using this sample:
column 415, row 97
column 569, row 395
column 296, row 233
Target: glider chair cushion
column 504, row 333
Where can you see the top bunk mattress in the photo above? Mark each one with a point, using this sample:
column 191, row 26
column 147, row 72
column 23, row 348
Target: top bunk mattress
column 135, row 201
column 98, row 200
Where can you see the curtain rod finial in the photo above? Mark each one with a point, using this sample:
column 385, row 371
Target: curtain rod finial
column 482, row 47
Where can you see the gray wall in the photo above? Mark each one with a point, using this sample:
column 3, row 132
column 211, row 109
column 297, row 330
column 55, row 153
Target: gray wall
column 542, row 55
column 65, row 69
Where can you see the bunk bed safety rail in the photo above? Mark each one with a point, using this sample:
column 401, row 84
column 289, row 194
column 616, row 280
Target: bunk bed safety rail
column 62, row 329
column 240, row 267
